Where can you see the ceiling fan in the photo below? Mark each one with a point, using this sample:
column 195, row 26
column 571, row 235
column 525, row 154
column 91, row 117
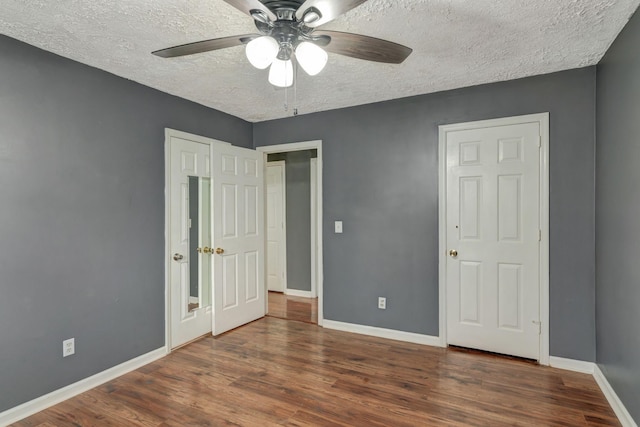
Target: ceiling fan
column 288, row 29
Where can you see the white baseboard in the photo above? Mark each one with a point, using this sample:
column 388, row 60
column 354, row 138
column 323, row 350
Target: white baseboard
column 383, row 333
column 297, row 293
column 43, row 402
column 591, row 368
column 616, row 404
column 572, row 365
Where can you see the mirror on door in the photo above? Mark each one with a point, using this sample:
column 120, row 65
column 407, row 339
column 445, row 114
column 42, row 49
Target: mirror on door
column 199, row 243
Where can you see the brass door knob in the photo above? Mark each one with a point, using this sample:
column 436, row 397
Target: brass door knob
column 177, row 257
column 207, row 250
column 453, row 253
column 199, row 250
column 219, row 251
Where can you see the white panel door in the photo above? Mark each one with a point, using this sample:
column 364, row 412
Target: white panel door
column 188, row 320
column 493, row 223
column 276, row 240
column 238, row 237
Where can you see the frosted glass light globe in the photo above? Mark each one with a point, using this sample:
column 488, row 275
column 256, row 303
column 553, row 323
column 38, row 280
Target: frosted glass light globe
column 262, row 51
column 281, row 73
column 311, row 57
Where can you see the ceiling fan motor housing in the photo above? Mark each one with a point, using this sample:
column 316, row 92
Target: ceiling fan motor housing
column 287, row 30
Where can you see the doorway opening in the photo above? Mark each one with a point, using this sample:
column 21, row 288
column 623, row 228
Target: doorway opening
column 293, row 226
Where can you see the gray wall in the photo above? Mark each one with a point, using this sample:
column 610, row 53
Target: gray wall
column 618, row 216
column 82, row 216
column 381, row 178
column 298, row 194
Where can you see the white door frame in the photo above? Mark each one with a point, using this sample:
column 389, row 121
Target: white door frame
column 543, row 120
column 283, row 245
column 313, row 180
column 301, row 146
column 168, row 134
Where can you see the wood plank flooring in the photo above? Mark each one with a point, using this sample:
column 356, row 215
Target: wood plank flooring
column 274, row 372
column 293, row 308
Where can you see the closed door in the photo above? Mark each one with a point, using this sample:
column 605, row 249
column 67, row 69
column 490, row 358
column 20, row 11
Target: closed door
column 276, row 240
column 190, row 277
column 493, row 237
column 238, row 237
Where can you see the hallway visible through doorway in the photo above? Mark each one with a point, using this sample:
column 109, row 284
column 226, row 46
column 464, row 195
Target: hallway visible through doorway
column 293, row 308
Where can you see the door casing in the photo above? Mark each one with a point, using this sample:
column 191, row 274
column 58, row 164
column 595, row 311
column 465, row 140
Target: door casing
column 301, row 146
column 543, row 120
column 313, row 179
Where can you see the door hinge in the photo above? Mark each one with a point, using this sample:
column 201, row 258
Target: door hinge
column 539, row 235
column 189, row 222
column 536, row 322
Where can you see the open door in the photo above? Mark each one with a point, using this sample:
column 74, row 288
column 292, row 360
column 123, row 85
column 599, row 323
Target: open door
column 238, row 237
column 189, row 216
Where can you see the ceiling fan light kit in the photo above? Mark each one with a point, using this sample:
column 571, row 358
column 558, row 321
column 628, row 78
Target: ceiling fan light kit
column 311, row 57
column 281, row 73
column 288, row 31
column 262, row 51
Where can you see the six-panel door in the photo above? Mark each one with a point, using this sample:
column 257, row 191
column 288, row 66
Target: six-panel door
column 493, row 213
column 238, row 238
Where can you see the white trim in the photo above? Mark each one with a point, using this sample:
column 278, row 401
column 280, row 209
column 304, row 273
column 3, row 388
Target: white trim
column 291, row 146
column 300, row 146
column 543, row 120
column 43, row 402
column 390, row 334
column 283, row 245
column 592, row 368
column 616, row 404
column 298, row 293
column 572, row 365
column 168, row 133
column 313, row 181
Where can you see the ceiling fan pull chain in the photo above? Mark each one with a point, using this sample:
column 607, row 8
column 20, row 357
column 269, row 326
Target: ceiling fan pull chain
column 286, row 100
column 295, row 88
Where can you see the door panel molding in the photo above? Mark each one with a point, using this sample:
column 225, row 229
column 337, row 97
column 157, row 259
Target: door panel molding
column 509, row 151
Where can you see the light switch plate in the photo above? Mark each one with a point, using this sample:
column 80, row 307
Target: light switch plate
column 338, row 226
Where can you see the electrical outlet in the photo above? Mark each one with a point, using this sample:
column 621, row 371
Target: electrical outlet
column 382, row 303
column 68, row 347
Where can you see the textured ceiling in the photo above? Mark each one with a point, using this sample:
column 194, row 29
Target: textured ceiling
column 456, row 43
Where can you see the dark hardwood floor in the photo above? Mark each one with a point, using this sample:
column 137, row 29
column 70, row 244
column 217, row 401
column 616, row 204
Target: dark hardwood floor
column 293, row 308
column 274, row 372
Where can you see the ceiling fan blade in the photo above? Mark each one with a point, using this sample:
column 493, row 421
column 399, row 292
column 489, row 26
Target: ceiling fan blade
column 365, row 47
column 329, row 9
column 205, row 46
column 247, row 6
